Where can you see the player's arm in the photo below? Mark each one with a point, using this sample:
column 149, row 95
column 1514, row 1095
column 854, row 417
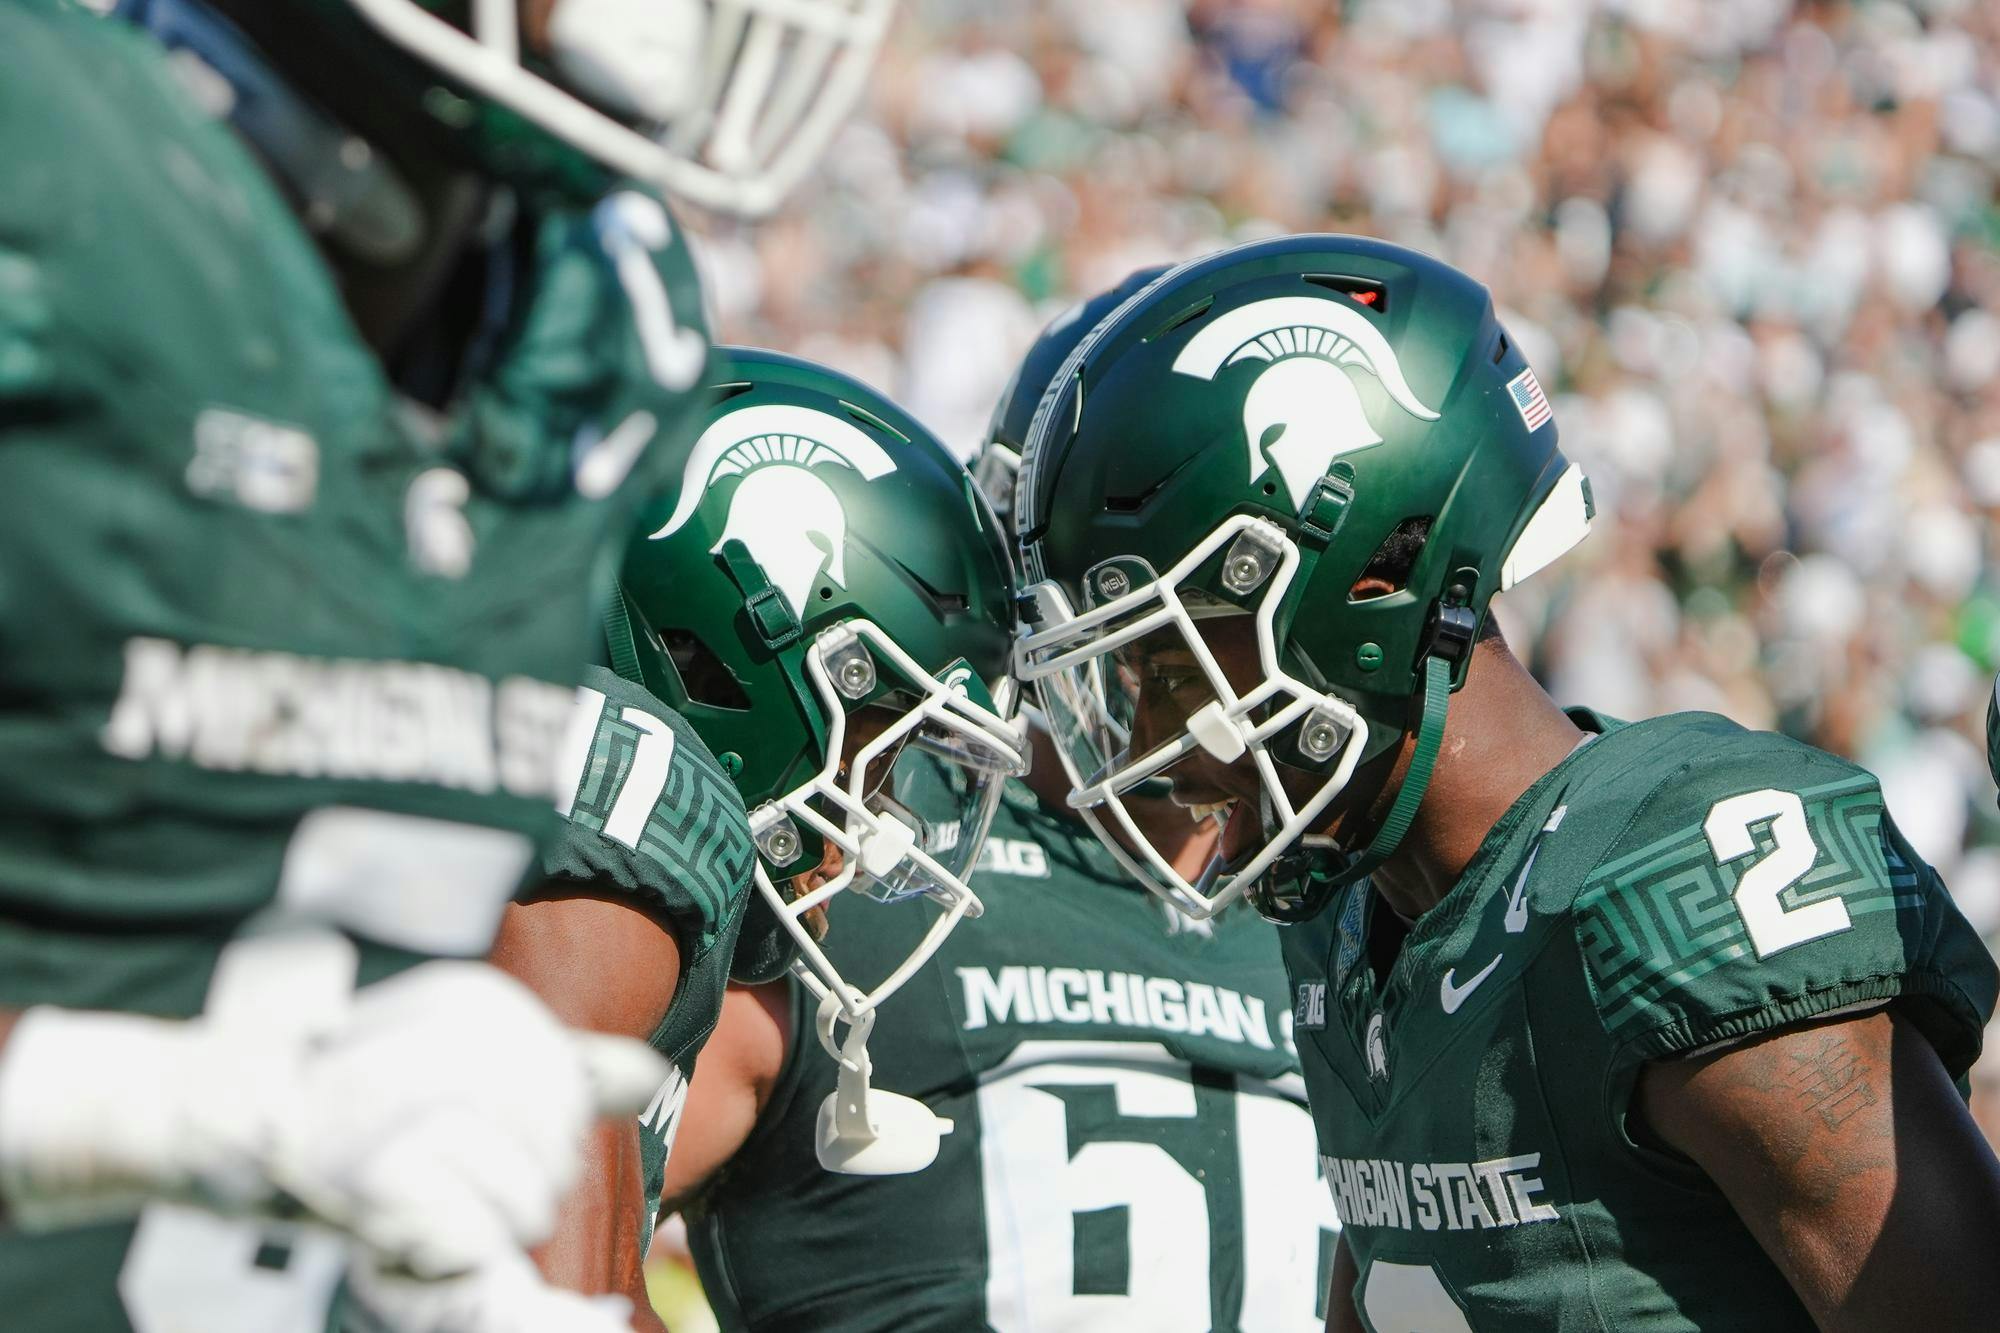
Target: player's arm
column 609, row 965
column 1849, row 1154
column 733, row 1080
column 1341, row 1316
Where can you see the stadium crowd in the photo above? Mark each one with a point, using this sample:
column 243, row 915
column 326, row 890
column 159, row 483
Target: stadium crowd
column 1749, row 244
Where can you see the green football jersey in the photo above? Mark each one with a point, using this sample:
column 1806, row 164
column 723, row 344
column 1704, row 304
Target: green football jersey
column 271, row 646
column 1130, row 1151
column 1673, row 885
column 651, row 814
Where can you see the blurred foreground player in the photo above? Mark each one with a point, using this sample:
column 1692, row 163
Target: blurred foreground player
column 298, row 567
column 1648, row 1026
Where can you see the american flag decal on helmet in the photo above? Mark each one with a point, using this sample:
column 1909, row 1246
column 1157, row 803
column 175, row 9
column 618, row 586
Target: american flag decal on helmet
column 1529, row 400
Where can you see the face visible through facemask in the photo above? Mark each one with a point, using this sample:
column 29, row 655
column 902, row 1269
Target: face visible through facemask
column 864, row 725
column 1165, row 682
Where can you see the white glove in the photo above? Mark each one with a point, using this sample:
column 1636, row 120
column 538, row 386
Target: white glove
column 505, row 1296
column 440, row 1120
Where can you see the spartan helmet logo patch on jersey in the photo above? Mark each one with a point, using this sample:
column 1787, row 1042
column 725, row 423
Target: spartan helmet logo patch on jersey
column 785, row 514
column 1303, row 410
column 1377, row 1048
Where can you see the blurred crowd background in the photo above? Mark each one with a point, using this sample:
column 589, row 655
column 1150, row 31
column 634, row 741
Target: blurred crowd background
column 1749, row 246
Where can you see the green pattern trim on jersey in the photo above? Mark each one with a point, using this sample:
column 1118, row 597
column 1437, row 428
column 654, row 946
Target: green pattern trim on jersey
column 1663, row 916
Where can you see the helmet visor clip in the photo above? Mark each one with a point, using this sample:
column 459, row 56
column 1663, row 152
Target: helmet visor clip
column 1322, row 735
column 853, row 670
column 1249, row 561
column 776, row 836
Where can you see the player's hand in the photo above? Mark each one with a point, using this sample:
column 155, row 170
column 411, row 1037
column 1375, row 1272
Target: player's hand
column 505, row 1296
column 442, row 1123
column 438, row 1117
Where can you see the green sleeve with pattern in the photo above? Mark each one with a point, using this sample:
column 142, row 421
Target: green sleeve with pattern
column 1759, row 884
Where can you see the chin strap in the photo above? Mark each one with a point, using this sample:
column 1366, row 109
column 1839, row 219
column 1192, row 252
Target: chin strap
column 620, row 643
column 1416, row 780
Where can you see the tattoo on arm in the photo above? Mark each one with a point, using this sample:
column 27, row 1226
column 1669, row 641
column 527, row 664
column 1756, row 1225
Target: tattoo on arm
column 1827, row 1078
column 1846, row 1150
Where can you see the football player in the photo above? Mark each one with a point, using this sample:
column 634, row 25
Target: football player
column 1646, row 1026
column 1131, row 1146
column 825, row 604
column 290, row 638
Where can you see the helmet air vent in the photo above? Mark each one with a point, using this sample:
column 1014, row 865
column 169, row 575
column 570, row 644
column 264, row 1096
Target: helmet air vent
column 1388, row 570
column 1362, row 291
column 943, row 603
column 1500, row 348
column 1185, row 315
column 705, row 677
column 1132, row 504
column 873, row 422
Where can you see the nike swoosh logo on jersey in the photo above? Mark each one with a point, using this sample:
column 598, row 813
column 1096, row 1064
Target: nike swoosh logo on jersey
column 1451, row 997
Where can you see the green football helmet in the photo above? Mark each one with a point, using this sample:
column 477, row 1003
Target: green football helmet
column 828, row 601
column 723, row 103
column 1331, row 437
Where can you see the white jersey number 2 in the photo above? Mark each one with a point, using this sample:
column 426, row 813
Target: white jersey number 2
column 1036, row 1188
column 1770, row 924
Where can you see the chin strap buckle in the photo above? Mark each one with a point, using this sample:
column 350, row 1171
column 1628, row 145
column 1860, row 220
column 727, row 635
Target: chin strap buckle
column 1327, row 504
column 770, row 615
column 1450, row 634
column 862, row 1131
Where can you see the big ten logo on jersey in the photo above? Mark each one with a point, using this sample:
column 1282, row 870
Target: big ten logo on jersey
column 1012, row 856
column 1309, row 1008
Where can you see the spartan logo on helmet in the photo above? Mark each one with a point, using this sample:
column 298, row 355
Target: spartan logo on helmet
column 1302, row 411
column 783, row 512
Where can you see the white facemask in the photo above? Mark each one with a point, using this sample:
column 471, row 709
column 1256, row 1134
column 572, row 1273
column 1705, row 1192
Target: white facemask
column 637, row 57
column 723, row 103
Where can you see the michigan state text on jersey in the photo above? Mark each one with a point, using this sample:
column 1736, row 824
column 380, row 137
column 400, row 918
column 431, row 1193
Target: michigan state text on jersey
column 275, row 650
column 1130, row 1145
column 1690, row 1055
